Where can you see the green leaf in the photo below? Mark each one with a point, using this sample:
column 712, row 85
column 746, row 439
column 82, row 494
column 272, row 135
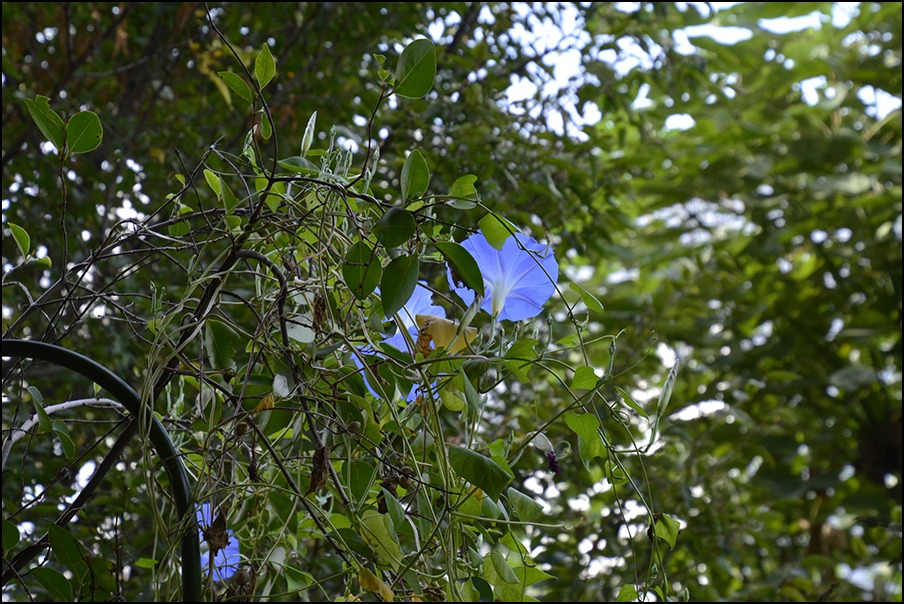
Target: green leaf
column 180, row 229
column 213, row 181
column 266, row 127
column 462, row 193
column 584, row 377
column 56, row 584
column 584, row 424
column 589, row 299
column 308, row 139
column 10, row 536
column 529, row 575
column 451, row 400
column 666, row 393
column 67, row 550
column 590, row 444
column 498, row 449
column 36, row 394
column 471, row 396
column 361, row 477
column 627, row 593
column 361, row 270
column 501, row 566
column 525, row 507
column 513, row 543
column 632, row 403
column 297, row 579
column 462, row 264
column 519, row 358
column 48, row 121
column 505, row 590
column 23, row 241
column 378, row 532
column 299, row 164
column 264, row 67
column 222, row 344
column 236, row 84
column 415, row 176
column 589, row 449
column 355, row 543
column 102, row 574
column 62, row 433
column 398, row 283
column 480, row 589
column 393, row 507
column 416, row 70
column 496, row 229
column 233, row 223
column 229, row 198
column 44, row 423
column 395, row 227
column 145, row 563
column 479, row 470
column 84, row 132
column 667, row 529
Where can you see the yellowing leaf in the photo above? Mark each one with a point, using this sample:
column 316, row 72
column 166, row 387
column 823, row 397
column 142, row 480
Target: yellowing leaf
column 444, row 332
column 372, row 582
column 378, row 532
column 266, row 404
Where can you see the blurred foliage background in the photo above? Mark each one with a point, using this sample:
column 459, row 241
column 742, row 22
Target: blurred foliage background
column 735, row 204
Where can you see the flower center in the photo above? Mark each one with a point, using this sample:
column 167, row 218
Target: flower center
column 501, row 291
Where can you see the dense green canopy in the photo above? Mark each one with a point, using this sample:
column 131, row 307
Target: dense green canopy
column 226, row 204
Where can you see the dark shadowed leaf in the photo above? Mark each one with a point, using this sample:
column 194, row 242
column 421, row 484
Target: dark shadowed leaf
column 54, row 582
column 395, row 227
column 462, row 264
column 10, row 536
column 415, row 176
column 398, row 283
column 49, row 122
column 361, row 270
column 67, row 550
column 479, row 470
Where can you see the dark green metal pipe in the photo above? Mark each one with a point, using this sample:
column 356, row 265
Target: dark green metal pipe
column 122, row 392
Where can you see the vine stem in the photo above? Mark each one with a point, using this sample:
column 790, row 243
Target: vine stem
column 20, row 433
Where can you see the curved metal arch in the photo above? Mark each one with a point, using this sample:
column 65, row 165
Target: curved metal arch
column 172, row 462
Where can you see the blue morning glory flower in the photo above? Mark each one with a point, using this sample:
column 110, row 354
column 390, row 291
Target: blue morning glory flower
column 518, row 279
column 227, row 559
column 420, row 303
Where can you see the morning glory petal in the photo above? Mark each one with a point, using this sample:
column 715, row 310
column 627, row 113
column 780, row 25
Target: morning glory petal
column 398, row 340
column 366, row 353
column 518, row 279
column 369, row 355
column 227, row 560
column 420, row 303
